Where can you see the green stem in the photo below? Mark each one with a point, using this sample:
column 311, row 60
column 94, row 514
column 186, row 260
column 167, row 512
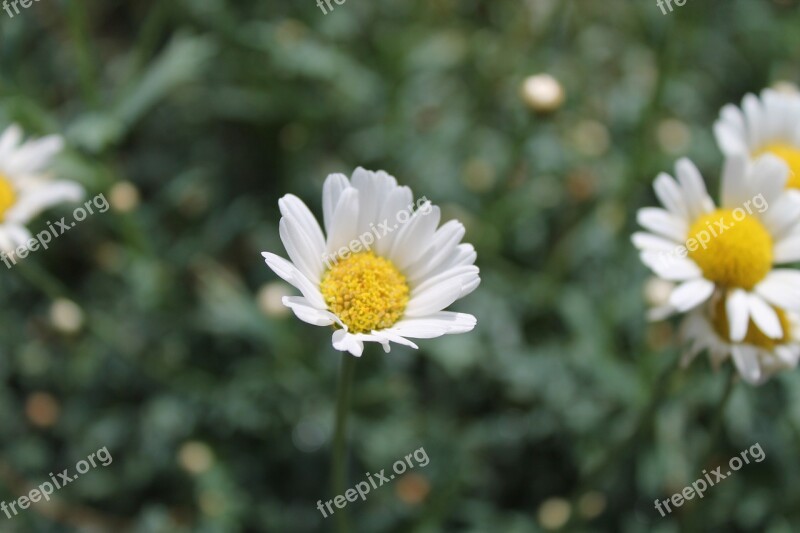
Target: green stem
column 339, row 460
column 690, row 517
column 716, row 428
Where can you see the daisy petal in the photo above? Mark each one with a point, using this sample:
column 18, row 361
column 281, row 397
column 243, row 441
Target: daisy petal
column 788, row 276
column 335, row 185
column 730, row 131
column 746, row 360
column 434, row 325
column 788, row 355
column 694, row 188
column 735, row 190
column 33, row 156
column 690, row 294
column 781, row 288
column 770, row 174
column 662, row 222
column 292, row 275
column 782, row 216
column 670, row 195
column 442, row 247
column 765, row 317
column 347, row 342
column 373, row 189
column 32, row 202
column 728, row 139
column 420, row 228
column 787, row 250
column 434, row 298
column 465, row 275
column 307, row 313
column 300, row 250
column 399, row 199
column 649, row 242
column 12, row 236
column 738, row 313
column 462, row 255
column 297, row 213
column 671, row 267
column 391, row 335
column 752, row 112
column 343, row 226
column 9, row 141
column 302, row 237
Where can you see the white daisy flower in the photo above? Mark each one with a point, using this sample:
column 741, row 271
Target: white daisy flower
column 757, row 357
column 731, row 249
column 384, row 273
column 25, row 190
column 766, row 125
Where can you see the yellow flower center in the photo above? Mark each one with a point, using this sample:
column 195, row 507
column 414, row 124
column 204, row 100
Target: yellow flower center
column 733, row 249
column 754, row 336
column 791, row 155
column 8, row 197
column 366, row 292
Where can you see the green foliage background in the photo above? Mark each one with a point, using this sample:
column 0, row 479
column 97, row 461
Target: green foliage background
column 214, row 109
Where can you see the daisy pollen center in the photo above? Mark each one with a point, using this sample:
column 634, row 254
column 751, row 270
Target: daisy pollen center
column 755, row 336
column 791, row 156
column 366, row 292
column 731, row 251
column 7, row 196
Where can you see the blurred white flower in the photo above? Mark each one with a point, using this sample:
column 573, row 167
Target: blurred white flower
column 66, row 316
column 554, row 513
column 378, row 276
column 196, row 457
column 124, row 196
column 730, row 250
column 656, row 294
column 25, row 189
column 757, row 357
column 766, row 125
column 542, row 93
column 673, row 135
column 270, row 298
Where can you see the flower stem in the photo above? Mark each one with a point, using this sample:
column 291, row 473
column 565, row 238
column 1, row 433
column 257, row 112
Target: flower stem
column 339, row 460
column 691, row 517
column 716, row 429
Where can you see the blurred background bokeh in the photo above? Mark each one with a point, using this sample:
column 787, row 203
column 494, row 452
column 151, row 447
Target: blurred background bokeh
column 156, row 330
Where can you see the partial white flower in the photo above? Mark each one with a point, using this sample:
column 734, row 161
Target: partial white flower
column 657, row 292
column 25, row 189
column 731, row 250
column 766, row 125
column 382, row 272
column 756, row 358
